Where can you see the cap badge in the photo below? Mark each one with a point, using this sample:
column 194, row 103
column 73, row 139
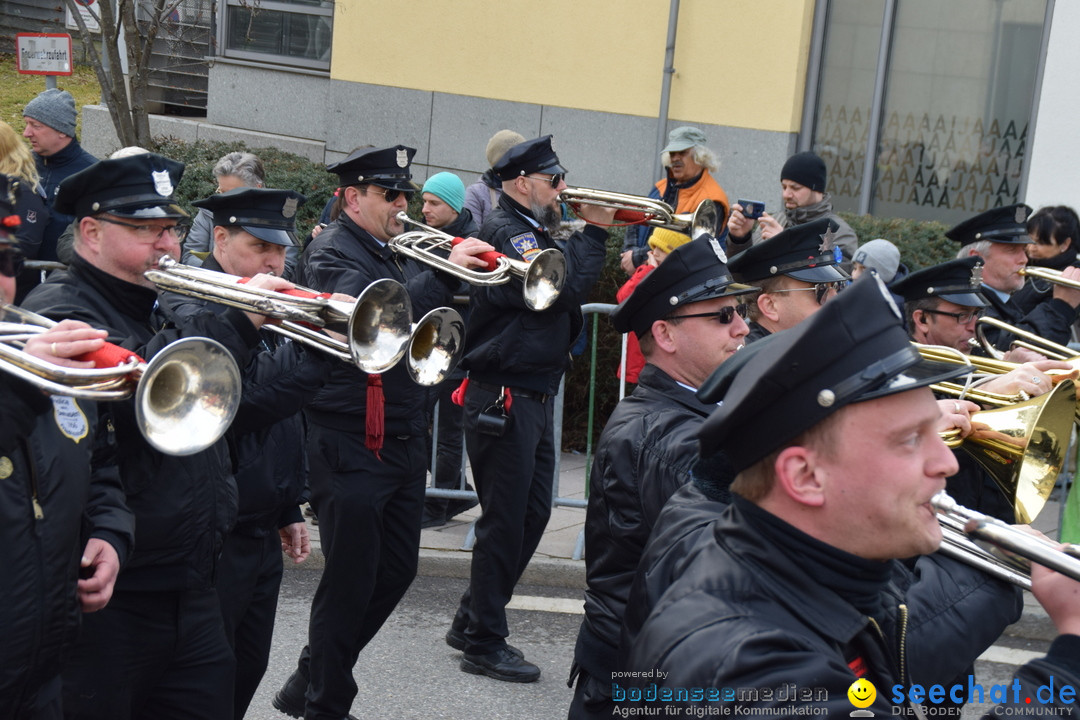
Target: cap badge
column 826, row 398
column 717, row 250
column 289, row 208
column 976, row 276
column 828, row 241
column 1021, row 214
column 402, row 158
column 162, row 182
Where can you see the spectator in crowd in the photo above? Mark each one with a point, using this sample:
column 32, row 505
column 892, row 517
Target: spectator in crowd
column 689, row 181
column 17, row 161
column 482, row 196
column 802, row 184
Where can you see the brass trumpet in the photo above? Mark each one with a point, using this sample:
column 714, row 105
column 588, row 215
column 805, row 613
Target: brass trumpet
column 378, row 324
column 1025, row 339
column 638, row 210
column 978, row 540
column 1022, row 446
column 185, row 397
column 542, row 278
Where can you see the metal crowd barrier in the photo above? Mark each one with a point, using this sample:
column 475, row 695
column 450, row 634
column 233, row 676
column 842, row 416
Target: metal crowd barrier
column 592, row 311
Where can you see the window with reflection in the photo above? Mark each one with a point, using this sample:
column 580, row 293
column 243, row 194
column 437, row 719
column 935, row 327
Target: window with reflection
column 286, row 32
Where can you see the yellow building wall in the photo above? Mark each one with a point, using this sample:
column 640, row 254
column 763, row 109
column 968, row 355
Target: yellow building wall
column 740, row 63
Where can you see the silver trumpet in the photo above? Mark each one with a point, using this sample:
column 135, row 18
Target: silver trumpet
column 378, row 324
column 997, row 548
column 185, row 397
column 542, row 278
column 638, row 210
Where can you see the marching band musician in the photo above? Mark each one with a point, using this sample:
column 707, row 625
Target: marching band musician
column 516, row 358
column 834, row 436
column 251, row 231
column 688, row 314
column 366, row 435
column 47, row 492
column 999, row 237
column 158, row 649
column 797, row 270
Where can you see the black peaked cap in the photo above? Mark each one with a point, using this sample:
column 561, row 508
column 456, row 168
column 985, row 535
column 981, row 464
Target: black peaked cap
column 386, row 167
column 531, row 156
column 137, row 186
column 1003, row 225
column 958, row 281
column 806, row 252
column 266, row 213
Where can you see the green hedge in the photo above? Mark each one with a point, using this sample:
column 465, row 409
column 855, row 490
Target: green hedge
column 284, row 170
column 921, row 244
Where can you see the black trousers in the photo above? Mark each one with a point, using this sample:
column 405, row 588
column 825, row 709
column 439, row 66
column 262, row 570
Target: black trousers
column 369, row 526
column 514, row 476
column 249, row 578
column 151, row 655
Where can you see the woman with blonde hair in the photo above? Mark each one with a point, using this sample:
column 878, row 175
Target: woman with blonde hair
column 17, row 162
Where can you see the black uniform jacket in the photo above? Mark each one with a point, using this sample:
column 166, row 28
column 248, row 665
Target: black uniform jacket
column 1051, row 319
column 267, row 437
column 509, row 344
column 50, row 505
column 185, row 505
column 732, row 609
column 645, row 454
column 346, row 259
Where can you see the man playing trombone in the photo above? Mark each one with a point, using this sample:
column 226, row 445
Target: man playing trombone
column 159, row 645
column 366, row 448
column 47, row 491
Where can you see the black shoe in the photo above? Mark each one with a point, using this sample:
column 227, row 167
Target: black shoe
column 290, row 698
column 456, row 640
column 502, row 664
column 431, row 519
column 456, row 507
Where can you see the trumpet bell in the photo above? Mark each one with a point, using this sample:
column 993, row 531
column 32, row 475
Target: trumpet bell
column 543, row 280
column 1023, row 446
column 187, row 396
column 436, row 346
column 379, row 326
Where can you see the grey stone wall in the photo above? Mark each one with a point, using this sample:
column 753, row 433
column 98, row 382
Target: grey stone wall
column 323, row 119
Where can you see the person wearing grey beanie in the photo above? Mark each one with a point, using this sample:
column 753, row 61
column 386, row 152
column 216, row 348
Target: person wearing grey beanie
column 50, row 129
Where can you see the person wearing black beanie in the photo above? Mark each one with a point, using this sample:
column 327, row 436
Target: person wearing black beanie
column 802, row 181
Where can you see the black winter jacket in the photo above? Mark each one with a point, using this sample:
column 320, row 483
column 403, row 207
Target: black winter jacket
column 646, row 452
column 509, row 344
column 50, row 505
column 729, row 608
column 1051, row 319
column 52, row 170
column 266, row 439
column 183, row 505
column 346, row 259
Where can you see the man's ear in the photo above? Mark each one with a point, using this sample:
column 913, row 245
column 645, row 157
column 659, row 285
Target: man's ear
column 766, row 303
column 662, row 336
column 799, row 476
column 90, row 235
column 920, row 319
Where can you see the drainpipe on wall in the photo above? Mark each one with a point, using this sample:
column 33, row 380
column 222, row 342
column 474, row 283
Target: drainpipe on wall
column 665, row 90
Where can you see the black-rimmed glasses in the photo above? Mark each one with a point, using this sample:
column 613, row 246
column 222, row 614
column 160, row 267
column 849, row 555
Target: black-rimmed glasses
column 150, row 233
column 392, row 195
column 821, row 290
column 11, row 261
column 554, row 180
column 961, row 318
column 724, row 315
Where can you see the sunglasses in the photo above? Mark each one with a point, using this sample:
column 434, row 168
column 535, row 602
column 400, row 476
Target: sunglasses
column 724, row 315
column 962, row 318
column 821, row 290
column 11, row 261
column 392, row 195
column 554, row 180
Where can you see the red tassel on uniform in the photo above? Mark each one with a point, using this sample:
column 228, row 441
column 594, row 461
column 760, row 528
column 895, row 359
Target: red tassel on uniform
column 458, row 396
column 375, row 425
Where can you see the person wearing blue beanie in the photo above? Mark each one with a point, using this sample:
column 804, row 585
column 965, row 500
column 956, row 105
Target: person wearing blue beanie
column 444, row 205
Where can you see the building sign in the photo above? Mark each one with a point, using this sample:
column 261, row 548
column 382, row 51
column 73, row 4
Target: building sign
column 89, row 10
column 43, row 53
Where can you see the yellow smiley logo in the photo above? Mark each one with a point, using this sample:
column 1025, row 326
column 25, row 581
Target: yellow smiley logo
column 862, row 693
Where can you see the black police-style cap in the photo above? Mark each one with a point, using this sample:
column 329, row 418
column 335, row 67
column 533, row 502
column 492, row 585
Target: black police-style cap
column 268, row 214
column 851, row 350
column 386, row 167
column 9, row 217
column 1001, row 225
column 531, row 156
column 958, row 281
column 138, row 186
column 693, row 272
column 805, row 252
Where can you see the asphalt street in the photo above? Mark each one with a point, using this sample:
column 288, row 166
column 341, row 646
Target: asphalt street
column 409, row 672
